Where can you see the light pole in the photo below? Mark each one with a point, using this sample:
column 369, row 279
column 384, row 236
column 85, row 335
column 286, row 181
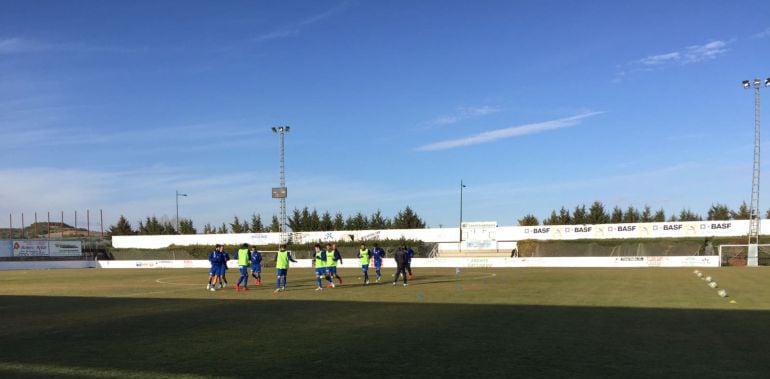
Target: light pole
column 177, row 209
column 461, row 214
column 754, row 220
column 281, row 192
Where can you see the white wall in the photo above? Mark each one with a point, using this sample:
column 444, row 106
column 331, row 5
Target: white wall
column 504, row 233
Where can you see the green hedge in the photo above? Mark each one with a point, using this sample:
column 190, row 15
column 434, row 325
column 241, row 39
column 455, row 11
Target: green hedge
column 347, row 249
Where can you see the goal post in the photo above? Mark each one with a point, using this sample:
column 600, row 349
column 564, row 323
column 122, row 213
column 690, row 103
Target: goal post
column 744, row 254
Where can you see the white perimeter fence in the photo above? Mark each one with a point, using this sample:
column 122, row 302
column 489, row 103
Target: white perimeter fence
column 609, row 262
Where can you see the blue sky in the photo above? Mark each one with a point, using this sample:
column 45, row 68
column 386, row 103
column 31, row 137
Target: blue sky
column 533, row 104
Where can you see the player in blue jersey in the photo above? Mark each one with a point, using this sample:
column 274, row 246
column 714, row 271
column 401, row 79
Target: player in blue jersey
column 215, row 258
column 319, row 263
column 333, row 258
column 378, row 254
column 365, row 256
column 282, row 259
column 256, row 265
column 409, row 255
column 223, row 271
column 244, row 259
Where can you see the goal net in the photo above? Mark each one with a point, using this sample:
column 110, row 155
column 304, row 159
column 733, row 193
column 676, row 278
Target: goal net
column 745, row 255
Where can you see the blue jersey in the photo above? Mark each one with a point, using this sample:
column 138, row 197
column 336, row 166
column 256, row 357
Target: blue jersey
column 409, row 254
column 256, row 258
column 216, row 258
column 379, row 253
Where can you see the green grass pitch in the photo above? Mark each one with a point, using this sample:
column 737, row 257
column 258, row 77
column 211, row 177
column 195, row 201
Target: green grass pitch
column 481, row 323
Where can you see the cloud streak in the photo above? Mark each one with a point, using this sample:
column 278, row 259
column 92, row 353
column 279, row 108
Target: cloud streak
column 511, row 132
column 15, row 45
column 685, row 56
column 294, row 28
column 688, row 55
column 463, row 113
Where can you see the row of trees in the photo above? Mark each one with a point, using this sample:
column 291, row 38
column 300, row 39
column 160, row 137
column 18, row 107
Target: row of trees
column 598, row 214
column 310, row 221
column 299, row 221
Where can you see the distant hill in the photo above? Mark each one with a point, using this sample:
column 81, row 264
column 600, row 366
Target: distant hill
column 41, row 230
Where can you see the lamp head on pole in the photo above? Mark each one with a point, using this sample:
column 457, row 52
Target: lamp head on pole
column 757, row 83
column 767, row 82
column 281, row 129
column 746, row 84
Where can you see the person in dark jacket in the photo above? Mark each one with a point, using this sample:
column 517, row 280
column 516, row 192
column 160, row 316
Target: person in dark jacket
column 401, row 261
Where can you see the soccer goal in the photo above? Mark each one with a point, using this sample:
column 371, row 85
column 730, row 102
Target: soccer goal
column 745, row 255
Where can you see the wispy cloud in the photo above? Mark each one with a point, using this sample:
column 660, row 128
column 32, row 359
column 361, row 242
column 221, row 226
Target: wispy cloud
column 688, row 55
column 514, row 131
column 685, row 56
column 463, row 113
column 277, row 34
column 295, row 28
column 763, row 34
column 16, row 45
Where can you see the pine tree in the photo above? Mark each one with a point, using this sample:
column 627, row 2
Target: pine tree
column 377, row 221
column 743, row 213
column 122, row 228
column 719, row 212
column 688, row 215
column 326, row 223
column 579, row 215
column 631, row 215
column 151, row 226
column 168, row 227
column 236, row 225
column 553, row 219
column 617, row 215
column 186, row 227
column 256, row 223
column 208, row 229
column 222, row 229
column 314, row 221
column 660, row 216
column 597, row 214
column 305, row 220
column 339, row 221
column 357, row 222
column 275, row 225
column 528, row 220
column 295, row 220
column 564, row 216
column 647, row 214
column 408, row 219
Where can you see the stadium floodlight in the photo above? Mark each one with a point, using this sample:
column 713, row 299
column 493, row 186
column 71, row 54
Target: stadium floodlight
column 281, row 131
column 177, row 210
column 754, row 217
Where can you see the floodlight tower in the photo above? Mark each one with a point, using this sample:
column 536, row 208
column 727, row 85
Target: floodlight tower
column 280, row 192
column 177, row 209
column 754, row 220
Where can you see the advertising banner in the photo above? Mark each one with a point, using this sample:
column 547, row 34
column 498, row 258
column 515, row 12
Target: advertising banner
column 6, row 248
column 46, row 248
column 65, row 248
column 30, row 248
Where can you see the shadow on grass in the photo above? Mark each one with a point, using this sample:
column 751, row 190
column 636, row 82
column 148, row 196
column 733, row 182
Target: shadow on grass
column 117, row 337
